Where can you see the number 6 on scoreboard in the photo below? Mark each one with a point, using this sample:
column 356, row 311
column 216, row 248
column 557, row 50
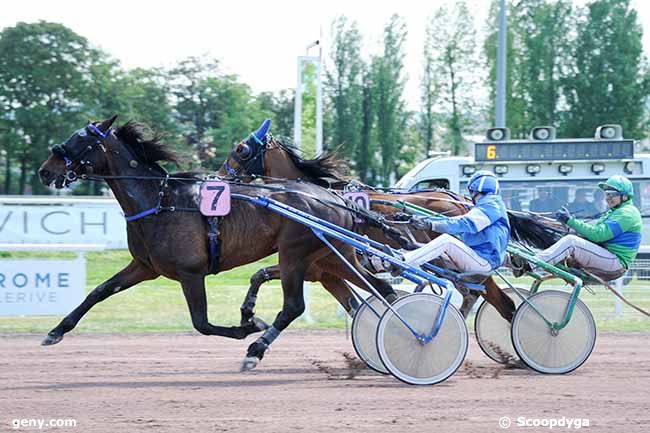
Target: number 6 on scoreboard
column 491, row 151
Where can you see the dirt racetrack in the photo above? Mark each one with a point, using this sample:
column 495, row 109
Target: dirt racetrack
column 191, row 383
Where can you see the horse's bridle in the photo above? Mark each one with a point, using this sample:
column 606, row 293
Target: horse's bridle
column 253, row 162
column 71, row 159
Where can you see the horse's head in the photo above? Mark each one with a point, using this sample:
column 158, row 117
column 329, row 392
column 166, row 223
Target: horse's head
column 262, row 155
column 247, row 157
column 99, row 150
column 81, row 154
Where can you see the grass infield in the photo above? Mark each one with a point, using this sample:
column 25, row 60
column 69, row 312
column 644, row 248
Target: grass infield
column 159, row 305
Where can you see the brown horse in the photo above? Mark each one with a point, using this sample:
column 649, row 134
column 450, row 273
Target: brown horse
column 262, row 156
column 168, row 236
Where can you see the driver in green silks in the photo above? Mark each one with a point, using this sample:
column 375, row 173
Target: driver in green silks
column 605, row 248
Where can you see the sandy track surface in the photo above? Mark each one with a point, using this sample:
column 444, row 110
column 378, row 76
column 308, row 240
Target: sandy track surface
column 189, row 382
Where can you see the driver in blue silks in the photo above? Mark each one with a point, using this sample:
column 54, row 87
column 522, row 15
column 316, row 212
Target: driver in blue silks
column 484, row 232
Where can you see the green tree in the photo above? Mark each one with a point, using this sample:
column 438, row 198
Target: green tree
column 191, row 105
column 147, row 99
column 610, row 81
column 232, row 112
column 45, row 82
column 428, row 96
column 388, row 87
column 546, row 26
column 452, row 68
column 279, row 107
column 539, row 58
column 8, row 148
column 212, row 110
column 365, row 157
column 516, row 100
column 343, row 87
column 139, row 94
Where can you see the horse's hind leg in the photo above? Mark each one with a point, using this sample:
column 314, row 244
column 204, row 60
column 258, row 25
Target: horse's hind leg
column 337, row 268
column 248, row 318
column 131, row 275
column 194, row 290
column 499, row 300
column 334, row 285
column 338, row 288
column 292, row 275
column 469, row 300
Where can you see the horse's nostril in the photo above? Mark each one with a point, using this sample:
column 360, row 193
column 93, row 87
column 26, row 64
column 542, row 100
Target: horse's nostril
column 43, row 172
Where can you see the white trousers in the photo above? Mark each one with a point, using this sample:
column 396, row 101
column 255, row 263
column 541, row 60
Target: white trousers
column 452, row 253
column 584, row 254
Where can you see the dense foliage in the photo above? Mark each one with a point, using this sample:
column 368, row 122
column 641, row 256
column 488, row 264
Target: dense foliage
column 571, row 67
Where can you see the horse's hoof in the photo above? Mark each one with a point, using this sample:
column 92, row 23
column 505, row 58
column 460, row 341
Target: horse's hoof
column 259, row 325
column 252, row 326
column 51, row 339
column 249, row 363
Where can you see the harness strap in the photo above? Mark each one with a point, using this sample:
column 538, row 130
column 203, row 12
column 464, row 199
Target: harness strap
column 142, row 214
column 229, row 169
column 214, row 244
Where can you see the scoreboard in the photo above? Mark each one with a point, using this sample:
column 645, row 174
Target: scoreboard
column 556, row 150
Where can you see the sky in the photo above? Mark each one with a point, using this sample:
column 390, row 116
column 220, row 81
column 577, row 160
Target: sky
column 257, row 40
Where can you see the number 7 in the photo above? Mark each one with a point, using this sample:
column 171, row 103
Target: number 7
column 220, row 189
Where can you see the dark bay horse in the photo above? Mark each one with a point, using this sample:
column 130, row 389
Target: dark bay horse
column 262, row 156
column 167, row 236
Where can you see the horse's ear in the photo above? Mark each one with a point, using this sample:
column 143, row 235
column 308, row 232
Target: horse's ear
column 263, row 129
column 106, row 124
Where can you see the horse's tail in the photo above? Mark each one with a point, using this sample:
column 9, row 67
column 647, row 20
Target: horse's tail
column 533, row 230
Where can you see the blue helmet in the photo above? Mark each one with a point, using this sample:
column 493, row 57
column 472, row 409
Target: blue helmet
column 483, row 181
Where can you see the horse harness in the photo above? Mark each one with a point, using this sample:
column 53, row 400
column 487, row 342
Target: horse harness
column 252, row 159
column 214, row 242
column 214, row 223
column 69, row 158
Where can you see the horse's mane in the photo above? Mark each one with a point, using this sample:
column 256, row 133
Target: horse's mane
column 326, row 165
column 147, row 150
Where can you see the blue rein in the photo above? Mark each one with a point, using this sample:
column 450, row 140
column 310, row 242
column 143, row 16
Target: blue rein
column 142, row 214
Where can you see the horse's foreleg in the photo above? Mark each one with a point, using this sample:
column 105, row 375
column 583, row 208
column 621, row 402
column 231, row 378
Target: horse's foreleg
column 194, row 291
column 131, row 275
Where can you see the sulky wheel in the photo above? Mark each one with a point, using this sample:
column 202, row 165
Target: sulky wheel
column 553, row 352
column 411, row 361
column 493, row 331
column 364, row 330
